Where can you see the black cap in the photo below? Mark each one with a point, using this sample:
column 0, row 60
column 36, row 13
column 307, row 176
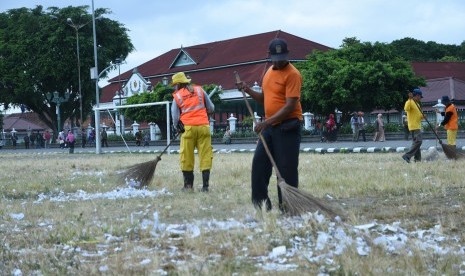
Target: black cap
column 278, row 49
column 445, row 99
column 417, row 91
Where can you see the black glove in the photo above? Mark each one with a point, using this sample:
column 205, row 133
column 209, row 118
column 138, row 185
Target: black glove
column 180, row 127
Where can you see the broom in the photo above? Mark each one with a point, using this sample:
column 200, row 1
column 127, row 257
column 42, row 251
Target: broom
column 142, row 173
column 295, row 201
column 449, row 150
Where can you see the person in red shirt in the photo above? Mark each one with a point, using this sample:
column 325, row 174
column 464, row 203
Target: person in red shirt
column 47, row 137
column 281, row 127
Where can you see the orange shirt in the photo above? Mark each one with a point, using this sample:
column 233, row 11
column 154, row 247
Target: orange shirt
column 279, row 85
column 452, row 124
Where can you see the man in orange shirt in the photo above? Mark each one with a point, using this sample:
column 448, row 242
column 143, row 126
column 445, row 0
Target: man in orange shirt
column 281, row 127
column 450, row 121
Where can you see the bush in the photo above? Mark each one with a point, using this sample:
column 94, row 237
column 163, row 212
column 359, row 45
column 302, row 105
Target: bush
column 345, row 129
column 244, row 134
column 393, row 127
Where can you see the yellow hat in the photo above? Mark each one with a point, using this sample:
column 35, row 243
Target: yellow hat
column 179, row 78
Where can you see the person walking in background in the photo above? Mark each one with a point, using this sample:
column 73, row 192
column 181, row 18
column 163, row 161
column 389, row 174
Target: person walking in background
column 70, row 140
column 227, row 136
column 450, row 121
column 414, row 117
column 331, row 128
column 354, row 126
column 191, row 106
column 61, row 139
column 379, row 129
column 83, row 137
column 281, row 128
column 47, row 137
column 91, row 137
column 14, row 139
column 39, row 140
column 32, row 139
column 405, row 126
column 138, row 138
column 146, row 140
column 104, row 138
column 361, row 127
column 26, row 141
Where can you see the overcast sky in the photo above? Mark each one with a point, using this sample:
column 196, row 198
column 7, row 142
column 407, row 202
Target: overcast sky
column 157, row 26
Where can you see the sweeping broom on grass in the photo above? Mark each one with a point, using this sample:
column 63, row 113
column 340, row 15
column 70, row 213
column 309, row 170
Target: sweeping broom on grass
column 141, row 175
column 295, row 201
column 449, row 150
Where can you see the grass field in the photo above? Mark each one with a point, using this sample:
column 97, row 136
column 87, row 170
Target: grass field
column 64, row 214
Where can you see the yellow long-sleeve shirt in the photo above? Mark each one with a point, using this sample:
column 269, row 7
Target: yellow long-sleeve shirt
column 414, row 115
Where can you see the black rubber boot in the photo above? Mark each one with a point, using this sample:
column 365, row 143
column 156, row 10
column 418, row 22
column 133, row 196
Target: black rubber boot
column 188, row 180
column 205, row 179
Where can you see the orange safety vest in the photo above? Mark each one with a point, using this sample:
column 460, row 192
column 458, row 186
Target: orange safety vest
column 452, row 124
column 192, row 106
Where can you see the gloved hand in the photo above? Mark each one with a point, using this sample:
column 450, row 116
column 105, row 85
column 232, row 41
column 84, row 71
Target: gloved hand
column 180, row 127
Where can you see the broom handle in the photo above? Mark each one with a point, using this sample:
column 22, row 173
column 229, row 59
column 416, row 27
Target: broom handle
column 164, row 150
column 426, row 119
column 265, row 145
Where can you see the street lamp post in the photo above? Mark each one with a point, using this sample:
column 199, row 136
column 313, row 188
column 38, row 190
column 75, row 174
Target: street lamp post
column 77, row 27
column 58, row 100
column 118, row 61
column 98, row 149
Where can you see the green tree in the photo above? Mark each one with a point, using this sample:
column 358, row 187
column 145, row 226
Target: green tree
column 38, row 55
column 416, row 50
column 359, row 76
column 156, row 114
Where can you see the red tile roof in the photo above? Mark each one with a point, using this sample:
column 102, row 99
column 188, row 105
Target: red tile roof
column 23, row 121
column 436, row 88
column 216, row 61
column 434, row 70
column 443, row 78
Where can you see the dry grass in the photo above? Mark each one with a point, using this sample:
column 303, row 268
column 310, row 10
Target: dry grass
column 107, row 236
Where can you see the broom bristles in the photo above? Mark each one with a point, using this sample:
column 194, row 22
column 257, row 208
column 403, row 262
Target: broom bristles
column 141, row 173
column 297, row 202
column 451, row 152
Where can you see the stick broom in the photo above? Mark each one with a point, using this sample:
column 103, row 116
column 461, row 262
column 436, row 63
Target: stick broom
column 143, row 173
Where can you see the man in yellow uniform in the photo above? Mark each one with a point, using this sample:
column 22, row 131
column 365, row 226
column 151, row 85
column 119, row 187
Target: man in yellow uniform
column 450, row 121
column 191, row 106
column 414, row 117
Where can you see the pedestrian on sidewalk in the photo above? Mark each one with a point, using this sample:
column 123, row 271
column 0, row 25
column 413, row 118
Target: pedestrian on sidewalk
column 379, row 129
column 354, row 126
column 70, row 141
column 361, row 127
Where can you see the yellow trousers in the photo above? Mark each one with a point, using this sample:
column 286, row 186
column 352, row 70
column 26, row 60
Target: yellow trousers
column 196, row 137
column 451, row 137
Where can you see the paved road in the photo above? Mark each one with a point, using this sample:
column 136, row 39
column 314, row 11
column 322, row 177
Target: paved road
column 394, row 144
